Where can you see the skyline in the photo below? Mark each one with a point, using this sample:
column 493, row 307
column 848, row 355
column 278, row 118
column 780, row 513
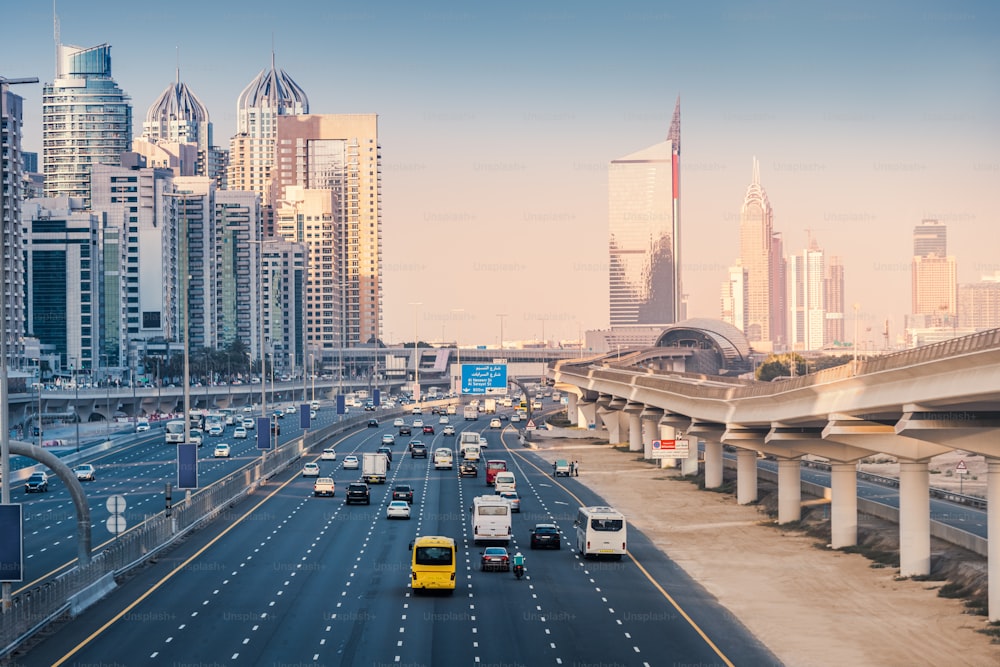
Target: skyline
column 498, row 127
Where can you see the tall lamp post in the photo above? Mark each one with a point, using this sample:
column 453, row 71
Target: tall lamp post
column 76, row 402
column 4, row 403
column 416, row 354
column 185, row 329
column 501, row 316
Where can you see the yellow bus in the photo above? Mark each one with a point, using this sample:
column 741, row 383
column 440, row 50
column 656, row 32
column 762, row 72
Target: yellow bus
column 433, row 564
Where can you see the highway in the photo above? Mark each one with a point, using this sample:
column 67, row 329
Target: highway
column 137, row 468
column 288, row 578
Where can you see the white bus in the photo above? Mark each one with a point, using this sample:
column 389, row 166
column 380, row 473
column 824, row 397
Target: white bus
column 600, row 531
column 175, row 432
column 490, row 519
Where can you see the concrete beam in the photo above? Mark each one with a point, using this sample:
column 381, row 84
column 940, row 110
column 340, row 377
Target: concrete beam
column 970, row 430
column 878, row 437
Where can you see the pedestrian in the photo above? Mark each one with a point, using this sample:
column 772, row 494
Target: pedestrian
column 576, row 468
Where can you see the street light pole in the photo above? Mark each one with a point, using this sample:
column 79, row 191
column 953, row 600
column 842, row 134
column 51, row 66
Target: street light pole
column 416, row 354
column 501, row 316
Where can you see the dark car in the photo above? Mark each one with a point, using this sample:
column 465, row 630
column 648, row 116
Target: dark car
column 357, row 492
column 275, row 428
column 429, row 429
column 387, row 451
column 468, row 469
column 403, row 492
column 495, row 558
column 545, row 536
column 405, row 430
column 372, row 423
column 418, row 451
column 38, row 482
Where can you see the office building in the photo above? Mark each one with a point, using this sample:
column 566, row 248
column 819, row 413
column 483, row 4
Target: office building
column 63, row 262
column 807, row 293
column 87, row 120
column 979, row 304
column 757, row 258
column 330, row 168
column 734, row 297
column 644, row 240
column 284, row 266
column 237, row 222
column 271, row 94
column 934, row 275
column 834, row 299
column 12, row 194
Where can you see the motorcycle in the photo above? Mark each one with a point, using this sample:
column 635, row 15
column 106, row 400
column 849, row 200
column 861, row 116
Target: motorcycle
column 518, row 571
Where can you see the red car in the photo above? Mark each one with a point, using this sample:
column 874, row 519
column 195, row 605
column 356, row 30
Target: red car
column 429, row 429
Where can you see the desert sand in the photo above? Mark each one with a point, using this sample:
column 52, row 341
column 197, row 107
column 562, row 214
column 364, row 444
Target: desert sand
column 811, row 606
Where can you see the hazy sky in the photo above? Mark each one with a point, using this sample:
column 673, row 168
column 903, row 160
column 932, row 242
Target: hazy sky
column 498, row 121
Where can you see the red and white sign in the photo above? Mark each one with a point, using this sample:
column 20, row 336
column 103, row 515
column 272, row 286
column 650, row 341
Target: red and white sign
column 670, row 449
column 960, row 469
column 531, row 425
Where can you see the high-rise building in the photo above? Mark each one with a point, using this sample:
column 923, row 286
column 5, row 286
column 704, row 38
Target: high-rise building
column 935, row 275
column 283, row 280
column 177, row 126
column 757, row 258
column 272, row 93
column 63, row 267
column 237, row 221
column 979, row 304
column 333, row 161
column 779, row 292
column 87, row 120
column 11, row 235
column 834, row 299
column 644, row 241
column 734, row 297
column 807, row 292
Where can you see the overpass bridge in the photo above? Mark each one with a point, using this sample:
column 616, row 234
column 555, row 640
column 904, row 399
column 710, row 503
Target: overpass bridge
column 912, row 405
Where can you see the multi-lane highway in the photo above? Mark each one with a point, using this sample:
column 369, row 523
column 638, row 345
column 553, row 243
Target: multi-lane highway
column 138, row 468
column 288, row 578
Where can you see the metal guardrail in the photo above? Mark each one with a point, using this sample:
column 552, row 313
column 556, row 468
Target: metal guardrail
column 34, row 608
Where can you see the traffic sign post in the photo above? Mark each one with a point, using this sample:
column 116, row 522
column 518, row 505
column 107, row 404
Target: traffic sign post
column 961, row 470
column 482, row 379
column 670, row 449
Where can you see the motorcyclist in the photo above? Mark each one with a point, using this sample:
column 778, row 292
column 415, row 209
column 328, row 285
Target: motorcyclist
column 518, row 562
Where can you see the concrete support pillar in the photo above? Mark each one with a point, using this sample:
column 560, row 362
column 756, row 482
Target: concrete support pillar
column 610, row 419
column 634, row 432
column 713, row 464
column 689, row 466
column 993, row 533
column 588, row 414
column 789, row 490
column 746, row 476
column 667, row 432
column 650, row 432
column 623, row 426
column 571, row 411
column 914, row 519
column 843, row 505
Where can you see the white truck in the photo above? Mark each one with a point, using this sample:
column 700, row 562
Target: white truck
column 373, row 467
column 469, row 446
column 471, row 413
column 490, row 406
column 324, row 486
column 490, row 519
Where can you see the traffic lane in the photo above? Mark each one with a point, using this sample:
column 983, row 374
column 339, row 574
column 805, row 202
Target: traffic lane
column 660, row 592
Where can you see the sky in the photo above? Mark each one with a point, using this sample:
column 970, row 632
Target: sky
column 497, row 123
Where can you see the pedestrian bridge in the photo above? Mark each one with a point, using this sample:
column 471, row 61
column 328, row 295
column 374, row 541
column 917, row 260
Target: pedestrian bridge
column 912, row 405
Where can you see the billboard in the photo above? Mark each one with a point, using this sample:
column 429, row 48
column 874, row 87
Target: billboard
column 670, row 449
column 484, row 378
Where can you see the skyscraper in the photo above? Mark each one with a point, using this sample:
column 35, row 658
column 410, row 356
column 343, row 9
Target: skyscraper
column 834, row 298
column 11, row 234
column 271, row 94
column 757, row 258
column 644, row 243
column 807, row 292
column 337, row 156
column 177, row 124
column 979, row 303
column 935, row 275
column 87, row 120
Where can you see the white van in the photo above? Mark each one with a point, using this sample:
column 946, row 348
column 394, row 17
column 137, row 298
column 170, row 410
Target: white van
column 443, row 459
column 504, row 481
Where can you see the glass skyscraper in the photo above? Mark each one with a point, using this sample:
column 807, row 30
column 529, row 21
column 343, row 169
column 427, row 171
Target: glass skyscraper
column 86, row 120
column 644, row 243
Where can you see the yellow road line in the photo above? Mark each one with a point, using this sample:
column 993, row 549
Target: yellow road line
column 96, row 633
column 665, row 594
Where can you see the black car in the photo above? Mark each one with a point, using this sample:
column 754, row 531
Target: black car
column 418, row 451
column 372, row 423
column 468, row 469
column 38, row 482
column 545, row 536
column 403, row 492
column 357, row 492
column 405, row 430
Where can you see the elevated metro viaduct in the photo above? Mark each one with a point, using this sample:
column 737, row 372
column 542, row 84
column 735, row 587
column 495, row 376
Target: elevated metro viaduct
column 912, row 405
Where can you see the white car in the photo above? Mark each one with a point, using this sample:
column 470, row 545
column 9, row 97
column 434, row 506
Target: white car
column 443, row 419
column 310, row 470
column 448, row 430
column 249, row 424
column 496, row 423
column 351, row 462
column 221, row 451
column 515, row 418
column 216, row 430
column 397, row 509
column 397, row 422
column 329, row 454
column 85, row 472
column 239, row 432
column 291, row 410
column 196, row 437
column 142, row 426
column 418, row 423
